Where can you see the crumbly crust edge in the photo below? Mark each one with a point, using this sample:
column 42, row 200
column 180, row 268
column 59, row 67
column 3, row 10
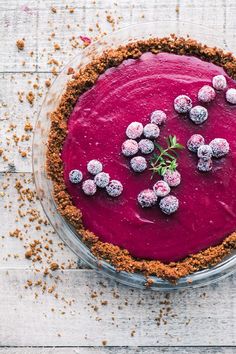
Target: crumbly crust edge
column 83, row 81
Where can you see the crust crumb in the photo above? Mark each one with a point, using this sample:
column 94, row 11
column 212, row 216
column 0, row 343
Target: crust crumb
column 20, row 43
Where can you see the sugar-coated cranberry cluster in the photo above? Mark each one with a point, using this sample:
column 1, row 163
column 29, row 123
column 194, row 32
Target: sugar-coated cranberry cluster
column 101, row 179
column 140, row 142
column 145, row 136
column 199, row 114
column 130, row 147
column 217, row 148
column 161, row 189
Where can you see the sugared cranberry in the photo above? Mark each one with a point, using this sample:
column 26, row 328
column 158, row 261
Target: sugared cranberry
column 89, row 187
column 220, row 147
column 198, row 114
column 138, row 163
column 205, row 152
column 182, row 104
column 147, row 198
column 134, row 130
column 75, row 176
column 161, row 188
column 195, row 141
column 146, row 146
column 204, row 166
column 151, row 131
column 94, row 167
column 231, row 95
column 129, row 147
column 114, row 188
column 173, row 178
column 158, row 117
column 102, row 179
column 219, row 82
column 206, row 94
column 169, row 204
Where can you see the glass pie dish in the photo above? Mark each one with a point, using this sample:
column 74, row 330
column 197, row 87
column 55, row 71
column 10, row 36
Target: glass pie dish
column 44, row 185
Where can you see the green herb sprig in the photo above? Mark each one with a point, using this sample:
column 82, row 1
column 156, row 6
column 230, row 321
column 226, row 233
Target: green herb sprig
column 165, row 159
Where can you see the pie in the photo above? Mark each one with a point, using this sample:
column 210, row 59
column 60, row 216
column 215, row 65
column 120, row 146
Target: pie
column 127, row 85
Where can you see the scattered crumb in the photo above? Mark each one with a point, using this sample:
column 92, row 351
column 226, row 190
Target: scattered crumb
column 48, row 83
column 23, row 153
column 28, row 127
column 54, row 71
column 20, row 43
column 28, row 253
column 70, row 71
column 132, row 334
column 30, row 97
column 57, row 46
column 54, row 266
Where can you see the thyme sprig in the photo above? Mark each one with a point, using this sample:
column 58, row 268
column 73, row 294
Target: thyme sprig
column 165, row 159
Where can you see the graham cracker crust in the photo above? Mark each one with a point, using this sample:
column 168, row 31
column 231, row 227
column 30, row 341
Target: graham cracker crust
column 83, row 81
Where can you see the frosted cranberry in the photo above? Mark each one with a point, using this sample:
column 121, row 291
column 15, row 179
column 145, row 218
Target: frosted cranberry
column 205, row 152
column 89, row 187
column 146, row 146
column 219, row 82
column 173, row 178
column 158, row 117
column 94, row 167
column 198, row 114
column 75, row 176
column 147, row 198
column 195, row 141
column 220, row 147
column 138, row 163
column 204, row 165
column 206, row 94
column 169, row 204
column 129, row 147
column 231, row 95
column 161, row 188
column 134, row 130
column 151, row 131
column 182, row 104
column 102, row 179
column 114, row 188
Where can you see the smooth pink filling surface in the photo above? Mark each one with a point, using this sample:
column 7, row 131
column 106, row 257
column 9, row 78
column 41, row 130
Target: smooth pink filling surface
column 96, row 130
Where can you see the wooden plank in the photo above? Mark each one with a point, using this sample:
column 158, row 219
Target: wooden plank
column 210, row 14
column 28, row 22
column 203, row 317
column 15, row 112
column 12, row 248
column 17, row 24
column 117, row 350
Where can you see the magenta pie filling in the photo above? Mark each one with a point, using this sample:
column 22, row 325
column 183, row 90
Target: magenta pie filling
column 96, row 130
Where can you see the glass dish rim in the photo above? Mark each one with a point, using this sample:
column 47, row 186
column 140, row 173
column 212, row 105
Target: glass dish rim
column 72, row 240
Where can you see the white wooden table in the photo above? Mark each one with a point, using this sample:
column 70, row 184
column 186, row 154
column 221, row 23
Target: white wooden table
column 33, row 319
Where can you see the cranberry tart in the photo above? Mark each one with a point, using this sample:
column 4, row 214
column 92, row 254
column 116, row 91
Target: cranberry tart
column 142, row 156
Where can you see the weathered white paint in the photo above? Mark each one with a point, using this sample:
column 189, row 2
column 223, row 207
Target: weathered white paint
column 203, row 317
column 193, row 317
column 12, row 250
